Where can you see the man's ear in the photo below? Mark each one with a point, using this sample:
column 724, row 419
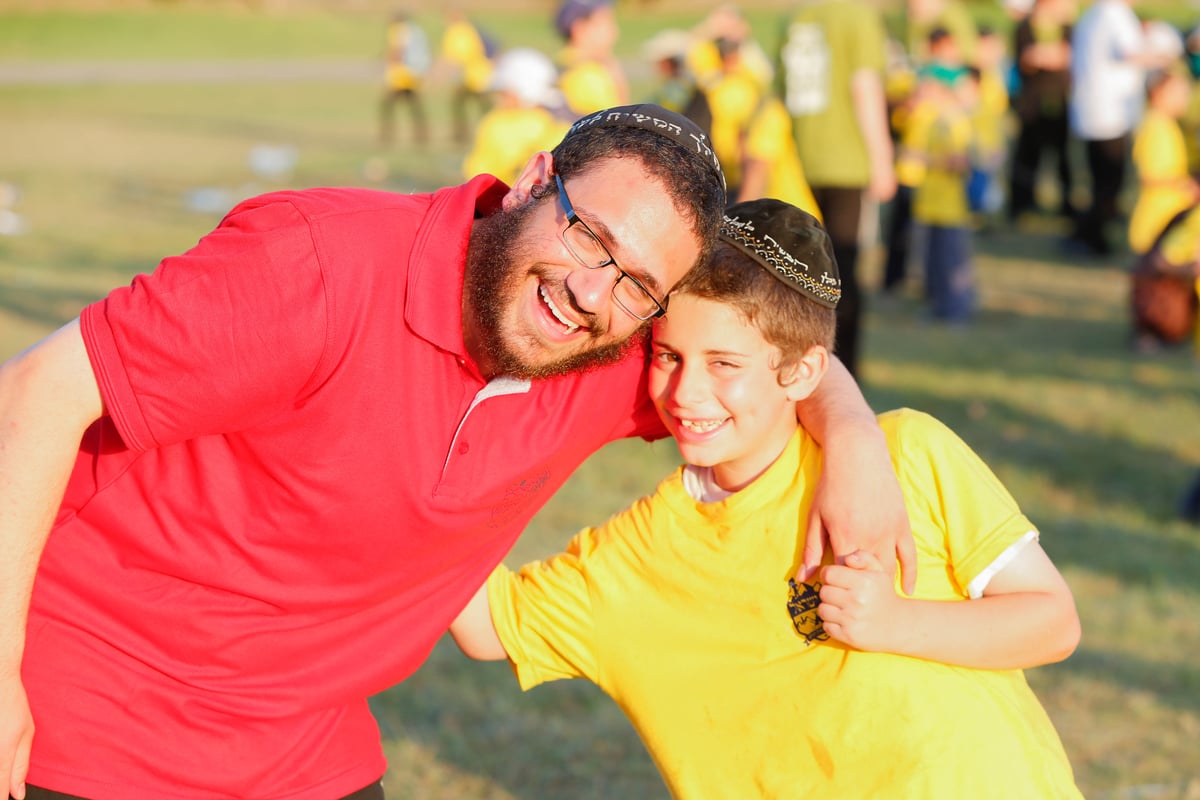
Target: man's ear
column 804, row 375
column 538, row 170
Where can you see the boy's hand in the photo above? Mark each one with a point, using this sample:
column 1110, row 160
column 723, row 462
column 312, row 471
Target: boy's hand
column 859, row 604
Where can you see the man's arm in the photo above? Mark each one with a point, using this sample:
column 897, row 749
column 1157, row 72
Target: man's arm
column 858, row 504
column 474, row 632
column 1025, row 618
column 48, row 398
column 870, row 109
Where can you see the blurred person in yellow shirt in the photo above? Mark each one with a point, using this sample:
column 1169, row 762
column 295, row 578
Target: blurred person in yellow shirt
column 734, row 99
column 1165, row 186
column 940, row 138
column 988, row 117
column 1191, row 118
column 467, row 51
column 677, row 88
column 592, row 78
column 771, row 166
column 406, row 61
column 527, row 116
column 727, row 22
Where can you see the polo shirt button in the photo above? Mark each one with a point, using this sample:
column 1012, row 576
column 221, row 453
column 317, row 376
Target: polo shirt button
column 464, row 448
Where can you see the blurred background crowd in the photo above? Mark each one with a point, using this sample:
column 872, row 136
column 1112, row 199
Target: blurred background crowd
column 919, row 137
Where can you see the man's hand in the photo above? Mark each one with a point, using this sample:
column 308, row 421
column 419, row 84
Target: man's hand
column 858, row 505
column 859, row 604
column 16, row 735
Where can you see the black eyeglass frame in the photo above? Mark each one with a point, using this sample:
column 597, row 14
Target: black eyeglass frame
column 660, row 307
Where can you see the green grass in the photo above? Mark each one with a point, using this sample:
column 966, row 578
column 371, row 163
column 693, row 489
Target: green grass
column 1095, row 443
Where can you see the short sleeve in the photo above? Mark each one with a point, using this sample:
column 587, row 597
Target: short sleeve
column 217, row 339
column 543, row 616
column 978, row 517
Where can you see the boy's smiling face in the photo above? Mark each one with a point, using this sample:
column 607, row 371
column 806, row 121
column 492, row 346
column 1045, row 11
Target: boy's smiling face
column 715, row 384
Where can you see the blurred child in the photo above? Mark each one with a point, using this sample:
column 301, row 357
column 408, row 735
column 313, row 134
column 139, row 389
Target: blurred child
column 592, row 77
column 1165, row 187
column 742, row 681
column 908, row 120
column 468, row 53
column 527, row 116
column 726, row 22
column 770, row 163
column 407, row 60
column 677, row 89
column 940, row 139
column 733, row 97
column 1191, row 118
column 988, row 117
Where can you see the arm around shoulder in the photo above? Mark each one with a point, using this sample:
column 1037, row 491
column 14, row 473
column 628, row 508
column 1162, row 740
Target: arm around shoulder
column 858, row 504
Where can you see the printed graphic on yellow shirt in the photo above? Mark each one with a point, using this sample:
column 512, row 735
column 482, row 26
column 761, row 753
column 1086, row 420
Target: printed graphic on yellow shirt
column 803, row 600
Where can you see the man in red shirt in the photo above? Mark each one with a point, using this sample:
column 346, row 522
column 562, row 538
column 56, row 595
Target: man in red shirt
column 257, row 485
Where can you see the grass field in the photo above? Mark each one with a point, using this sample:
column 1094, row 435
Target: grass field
column 1095, row 443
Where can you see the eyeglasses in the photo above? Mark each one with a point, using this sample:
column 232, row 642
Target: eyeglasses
column 628, row 292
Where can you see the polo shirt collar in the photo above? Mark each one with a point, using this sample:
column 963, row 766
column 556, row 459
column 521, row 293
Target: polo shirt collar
column 438, row 262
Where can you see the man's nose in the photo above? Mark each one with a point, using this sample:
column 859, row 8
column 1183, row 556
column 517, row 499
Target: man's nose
column 592, row 288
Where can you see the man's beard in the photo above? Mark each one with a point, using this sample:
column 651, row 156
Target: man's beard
column 493, row 279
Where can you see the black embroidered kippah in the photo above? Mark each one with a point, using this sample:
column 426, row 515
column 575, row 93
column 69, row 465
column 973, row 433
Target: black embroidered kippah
column 789, row 243
column 655, row 119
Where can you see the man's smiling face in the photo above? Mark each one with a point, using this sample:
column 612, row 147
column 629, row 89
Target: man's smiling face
column 532, row 309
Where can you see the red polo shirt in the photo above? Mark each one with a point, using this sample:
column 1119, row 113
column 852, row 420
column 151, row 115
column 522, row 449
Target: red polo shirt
column 302, row 479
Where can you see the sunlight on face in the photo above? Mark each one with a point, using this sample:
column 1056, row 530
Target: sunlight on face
column 714, row 382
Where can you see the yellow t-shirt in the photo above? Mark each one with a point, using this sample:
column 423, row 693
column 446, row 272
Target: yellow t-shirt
column 988, row 117
column 940, row 197
column 733, row 99
column 399, row 75
column 506, row 137
column 1159, row 154
column 589, row 86
column 1191, row 128
column 462, row 45
column 678, row 610
column 770, row 139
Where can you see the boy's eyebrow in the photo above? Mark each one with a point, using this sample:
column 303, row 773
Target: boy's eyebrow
column 605, row 233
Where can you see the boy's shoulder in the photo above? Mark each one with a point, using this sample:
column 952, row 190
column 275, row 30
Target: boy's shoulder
column 908, row 430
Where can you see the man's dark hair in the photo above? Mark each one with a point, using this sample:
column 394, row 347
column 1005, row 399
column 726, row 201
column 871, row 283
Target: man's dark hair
column 693, row 185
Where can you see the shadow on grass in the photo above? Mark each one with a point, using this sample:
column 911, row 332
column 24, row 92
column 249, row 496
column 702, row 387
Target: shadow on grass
column 1094, row 467
column 563, row 739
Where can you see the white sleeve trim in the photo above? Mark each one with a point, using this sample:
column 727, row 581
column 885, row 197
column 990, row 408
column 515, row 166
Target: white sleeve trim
column 975, row 588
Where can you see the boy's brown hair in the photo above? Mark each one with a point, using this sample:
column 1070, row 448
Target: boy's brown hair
column 773, row 263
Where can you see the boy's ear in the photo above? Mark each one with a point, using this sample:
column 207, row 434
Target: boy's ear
column 538, row 170
column 806, row 372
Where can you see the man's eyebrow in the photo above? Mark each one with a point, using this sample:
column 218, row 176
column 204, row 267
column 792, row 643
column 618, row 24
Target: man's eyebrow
column 606, row 235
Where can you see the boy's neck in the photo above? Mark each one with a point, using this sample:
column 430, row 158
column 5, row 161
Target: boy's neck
column 735, row 475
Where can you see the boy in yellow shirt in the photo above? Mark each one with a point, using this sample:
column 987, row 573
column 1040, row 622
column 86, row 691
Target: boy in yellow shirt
column 527, row 116
column 464, row 49
column 592, row 78
column 407, row 59
column 742, row 680
column 938, row 143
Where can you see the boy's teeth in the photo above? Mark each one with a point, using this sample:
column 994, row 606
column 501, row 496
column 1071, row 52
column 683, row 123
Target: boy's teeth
column 571, row 327
column 701, row 426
